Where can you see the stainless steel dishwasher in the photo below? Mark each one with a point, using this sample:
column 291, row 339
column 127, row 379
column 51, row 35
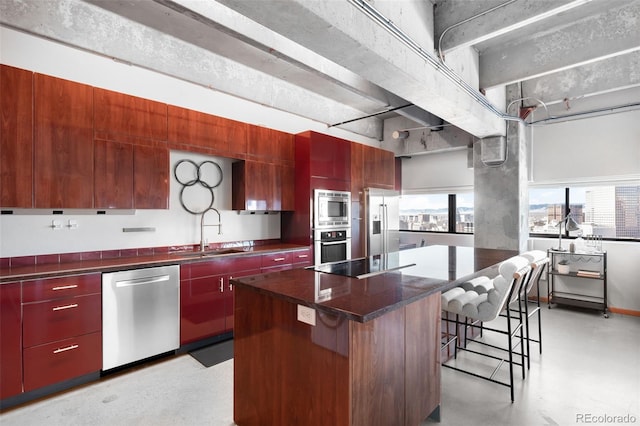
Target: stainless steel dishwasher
column 140, row 314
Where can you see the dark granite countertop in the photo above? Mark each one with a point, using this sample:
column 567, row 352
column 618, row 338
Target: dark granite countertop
column 437, row 269
column 18, row 273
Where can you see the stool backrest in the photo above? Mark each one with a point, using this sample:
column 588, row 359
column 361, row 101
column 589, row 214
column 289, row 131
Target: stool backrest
column 506, row 287
column 539, row 261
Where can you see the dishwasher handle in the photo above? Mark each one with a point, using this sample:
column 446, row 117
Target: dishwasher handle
column 142, row 281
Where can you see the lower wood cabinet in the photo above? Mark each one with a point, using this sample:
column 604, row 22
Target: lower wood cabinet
column 206, row 295
column 61, row 329
column 62, row 360
column 10, row 340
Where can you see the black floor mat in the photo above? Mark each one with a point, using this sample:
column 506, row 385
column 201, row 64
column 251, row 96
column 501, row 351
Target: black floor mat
column 214, row 354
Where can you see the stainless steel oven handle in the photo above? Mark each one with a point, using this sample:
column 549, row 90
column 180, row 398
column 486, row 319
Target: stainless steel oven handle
column 333, row 243
column 142, row 281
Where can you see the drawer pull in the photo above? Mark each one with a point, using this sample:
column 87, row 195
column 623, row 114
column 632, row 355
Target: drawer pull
column 60, row 308
column 68, row 348
column 302, row 256
column 65, row 287
column 278, row 259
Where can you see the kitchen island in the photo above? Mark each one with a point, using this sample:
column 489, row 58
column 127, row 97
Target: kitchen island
column 331, row 348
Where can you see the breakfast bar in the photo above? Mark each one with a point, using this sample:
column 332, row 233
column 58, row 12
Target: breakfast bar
column 351, row 343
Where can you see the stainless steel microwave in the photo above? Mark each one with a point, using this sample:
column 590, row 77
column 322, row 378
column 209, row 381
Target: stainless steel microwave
column 331, row 209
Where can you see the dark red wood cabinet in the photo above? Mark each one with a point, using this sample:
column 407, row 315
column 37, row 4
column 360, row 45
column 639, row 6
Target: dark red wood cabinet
column 330, row 156
column 262, row 186
column 126, row 118
column 270, row 145
column 63, row 153
column 150, row 177
column 378, row 168
column 113, row 168
column 10, row 340
column 61, row 329
column 206, row 295
column 191, row 130
column 16, row 137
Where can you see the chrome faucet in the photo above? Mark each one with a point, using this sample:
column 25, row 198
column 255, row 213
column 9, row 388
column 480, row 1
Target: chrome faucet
column 202, row 225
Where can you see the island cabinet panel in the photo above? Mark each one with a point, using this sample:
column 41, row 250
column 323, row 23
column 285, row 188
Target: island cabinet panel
column 197, row 131
column 384, row 371
column 126, row 118
column 10, row 340
column 113, row 166
column 151, row 177
column 63, row 153
column 289, row 373
column 61, row 329
column 16, row 137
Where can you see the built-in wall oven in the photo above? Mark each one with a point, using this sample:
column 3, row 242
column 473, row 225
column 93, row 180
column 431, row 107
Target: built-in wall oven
column 331, row 245
column 331, row 209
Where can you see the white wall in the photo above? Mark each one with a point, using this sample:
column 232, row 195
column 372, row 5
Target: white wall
column 30, row 235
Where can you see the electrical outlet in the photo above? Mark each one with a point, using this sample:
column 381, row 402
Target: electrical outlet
column 306, row 315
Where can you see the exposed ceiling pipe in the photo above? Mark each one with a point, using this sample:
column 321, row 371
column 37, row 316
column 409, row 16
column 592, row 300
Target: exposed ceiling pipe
column 439, row 66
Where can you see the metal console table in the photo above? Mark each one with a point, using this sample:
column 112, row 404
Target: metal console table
column 565, row 275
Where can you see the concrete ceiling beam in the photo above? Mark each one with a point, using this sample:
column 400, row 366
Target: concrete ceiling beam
column 93, row 29
column 587, row 40
column 343, row 34
column 620, row 72
column 488, row 19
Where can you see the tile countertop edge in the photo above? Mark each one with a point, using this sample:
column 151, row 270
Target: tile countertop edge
column 53, row 270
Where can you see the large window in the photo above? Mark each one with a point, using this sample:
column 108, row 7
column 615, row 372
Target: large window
column 610, row 211
column 437, row 212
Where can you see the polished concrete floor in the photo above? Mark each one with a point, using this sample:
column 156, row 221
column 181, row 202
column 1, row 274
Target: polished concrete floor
column 589, row 373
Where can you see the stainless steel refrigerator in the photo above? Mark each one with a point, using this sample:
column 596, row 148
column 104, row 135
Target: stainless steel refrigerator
column 382, row 215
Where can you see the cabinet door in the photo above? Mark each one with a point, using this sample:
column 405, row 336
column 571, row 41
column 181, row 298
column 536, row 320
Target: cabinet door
column 63, row 129
column 60, row 319
column 302, row 258
column 270, row 146
column 62, row 360
column 16, row 137
column 206, row 133
column 202, row 308
column 126, row 118
column 113, row 168
column 253, row 185
column 10, row 340
column 330, row 157
column 151, row 177
column 378, row 168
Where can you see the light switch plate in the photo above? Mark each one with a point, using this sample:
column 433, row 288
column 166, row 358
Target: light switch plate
column 306, row 315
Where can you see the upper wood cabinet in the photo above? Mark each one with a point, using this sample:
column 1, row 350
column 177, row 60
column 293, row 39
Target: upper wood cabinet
column 196, row 131
column 16, row 137
column 150, row 177
column 113, row 187
column 269, row 145
column 378, row 168
column 63, row 131
column 122, row 117
column 329, row 157
column 261, row 186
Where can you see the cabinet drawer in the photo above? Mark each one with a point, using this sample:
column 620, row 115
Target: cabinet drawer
column 276, row 259
column 301, row 257
column 62, row 360
column 57, row 288
column 60, row 319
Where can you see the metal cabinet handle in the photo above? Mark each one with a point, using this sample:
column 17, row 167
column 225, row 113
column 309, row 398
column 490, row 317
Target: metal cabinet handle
column 60, row 308
column 68, row 348
column 65, row 287
column 221, row 285
column 278, row 259
column 230, row 285
column 303, row 256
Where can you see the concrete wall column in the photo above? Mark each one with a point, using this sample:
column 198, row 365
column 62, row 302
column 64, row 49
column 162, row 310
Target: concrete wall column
column 501, row 205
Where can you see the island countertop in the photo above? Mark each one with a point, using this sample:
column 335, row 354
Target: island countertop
column 435, row 269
